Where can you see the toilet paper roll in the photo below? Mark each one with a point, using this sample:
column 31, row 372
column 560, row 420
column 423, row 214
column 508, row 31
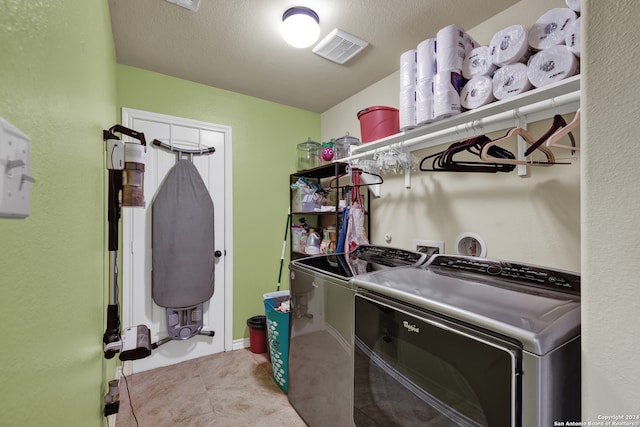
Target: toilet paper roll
column 408, row 69
column 551, row 28
column 573, row 38
column 509, row 46
column 424, row 102
column 478, row 63
column 407, row 108
column 477, row 92
column 510, row 80
column 551, row 65
column 450, row 48
column 426, row 60
column 470, row 43
column 446, row 94
column 573, row 5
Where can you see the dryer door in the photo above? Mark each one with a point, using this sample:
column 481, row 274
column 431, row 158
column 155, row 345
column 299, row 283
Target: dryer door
column 412, row 368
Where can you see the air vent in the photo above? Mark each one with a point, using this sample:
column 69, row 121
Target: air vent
column 339, row 46
column 187, row 4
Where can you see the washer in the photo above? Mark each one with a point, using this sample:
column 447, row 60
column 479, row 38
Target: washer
column 321, row 336
column 465, row 341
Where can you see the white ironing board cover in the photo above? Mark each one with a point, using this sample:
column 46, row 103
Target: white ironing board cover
column 183, row 249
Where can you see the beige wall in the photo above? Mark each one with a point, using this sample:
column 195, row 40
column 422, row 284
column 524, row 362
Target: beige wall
column 541, row 210
column 578, row 217
column 610, row 205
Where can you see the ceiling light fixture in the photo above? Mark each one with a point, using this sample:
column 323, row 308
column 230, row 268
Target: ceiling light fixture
column 300, row 26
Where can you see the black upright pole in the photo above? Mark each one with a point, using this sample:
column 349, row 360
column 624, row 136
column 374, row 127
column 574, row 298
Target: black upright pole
column 112, row 332
column 115, row 185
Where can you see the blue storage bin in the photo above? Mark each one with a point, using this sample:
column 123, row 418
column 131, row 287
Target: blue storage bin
column 278, row 337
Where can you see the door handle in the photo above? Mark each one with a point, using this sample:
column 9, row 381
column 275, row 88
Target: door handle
column 217, row 254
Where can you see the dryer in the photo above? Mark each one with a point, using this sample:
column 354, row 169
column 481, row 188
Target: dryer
column 322, row 325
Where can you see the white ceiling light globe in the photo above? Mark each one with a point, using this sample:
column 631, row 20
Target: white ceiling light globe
column 300, row 27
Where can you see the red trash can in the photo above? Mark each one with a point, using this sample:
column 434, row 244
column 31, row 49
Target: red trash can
column 258, row 334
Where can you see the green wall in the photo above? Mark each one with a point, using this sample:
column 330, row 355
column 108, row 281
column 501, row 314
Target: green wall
column 57, row 84
column 264, row 139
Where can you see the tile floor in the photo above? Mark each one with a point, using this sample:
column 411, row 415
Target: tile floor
column 226, row 389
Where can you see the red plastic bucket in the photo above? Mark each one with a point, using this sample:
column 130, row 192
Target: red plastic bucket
column 378, row 122
column 258, row 334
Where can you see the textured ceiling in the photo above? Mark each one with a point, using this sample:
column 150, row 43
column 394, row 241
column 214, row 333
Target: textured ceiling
column 236, row 44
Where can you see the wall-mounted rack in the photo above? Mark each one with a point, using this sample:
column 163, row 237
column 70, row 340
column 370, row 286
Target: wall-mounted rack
column 538, row 104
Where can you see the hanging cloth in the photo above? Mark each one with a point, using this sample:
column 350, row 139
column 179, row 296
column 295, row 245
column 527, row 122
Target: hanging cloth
column 343, row 230
column 356, row 233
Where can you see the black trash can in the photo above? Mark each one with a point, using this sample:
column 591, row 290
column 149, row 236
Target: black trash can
column 258, row 334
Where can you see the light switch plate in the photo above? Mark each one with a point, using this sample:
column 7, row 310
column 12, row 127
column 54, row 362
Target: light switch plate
column 15, row 172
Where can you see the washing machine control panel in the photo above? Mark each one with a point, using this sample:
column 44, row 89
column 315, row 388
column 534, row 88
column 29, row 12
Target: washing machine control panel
column 524, row 274
column 386, row 256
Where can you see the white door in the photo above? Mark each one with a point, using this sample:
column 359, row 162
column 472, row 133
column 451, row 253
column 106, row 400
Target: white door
column 138, row 306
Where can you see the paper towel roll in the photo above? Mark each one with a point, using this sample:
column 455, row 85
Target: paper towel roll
column 510, row 80
column 426, row 60
column 509, row 46
column 424, row 102
column 573, row 38
column 446, row 94
column 573, row 5
column 478, row 63
column 551, row 28
column 477, row 92
column 551, row 65
column 407, row 108
column 450, row 48
column 408, row 69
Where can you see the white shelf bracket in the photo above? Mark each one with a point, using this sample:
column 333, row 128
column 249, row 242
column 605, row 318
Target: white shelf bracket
column 521, row 122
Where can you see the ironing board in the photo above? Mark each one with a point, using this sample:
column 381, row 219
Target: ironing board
column 183, row 264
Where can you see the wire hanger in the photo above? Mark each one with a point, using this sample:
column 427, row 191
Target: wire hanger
column 552, row 141
column 354, row 183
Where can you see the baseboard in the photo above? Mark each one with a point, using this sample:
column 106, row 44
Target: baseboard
column 240, row 344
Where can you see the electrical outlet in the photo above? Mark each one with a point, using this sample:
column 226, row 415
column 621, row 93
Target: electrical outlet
column 112, row 399
column 429, row 247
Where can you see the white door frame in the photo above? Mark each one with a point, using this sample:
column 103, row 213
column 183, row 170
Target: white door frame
column 227, row 258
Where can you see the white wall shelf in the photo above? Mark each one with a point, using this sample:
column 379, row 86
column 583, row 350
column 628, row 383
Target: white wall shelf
column 538, row 104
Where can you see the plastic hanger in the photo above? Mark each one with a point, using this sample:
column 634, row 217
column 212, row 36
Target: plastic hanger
column 444, row 161
column 518, row 131
column 558, row 123
column 552, row 141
